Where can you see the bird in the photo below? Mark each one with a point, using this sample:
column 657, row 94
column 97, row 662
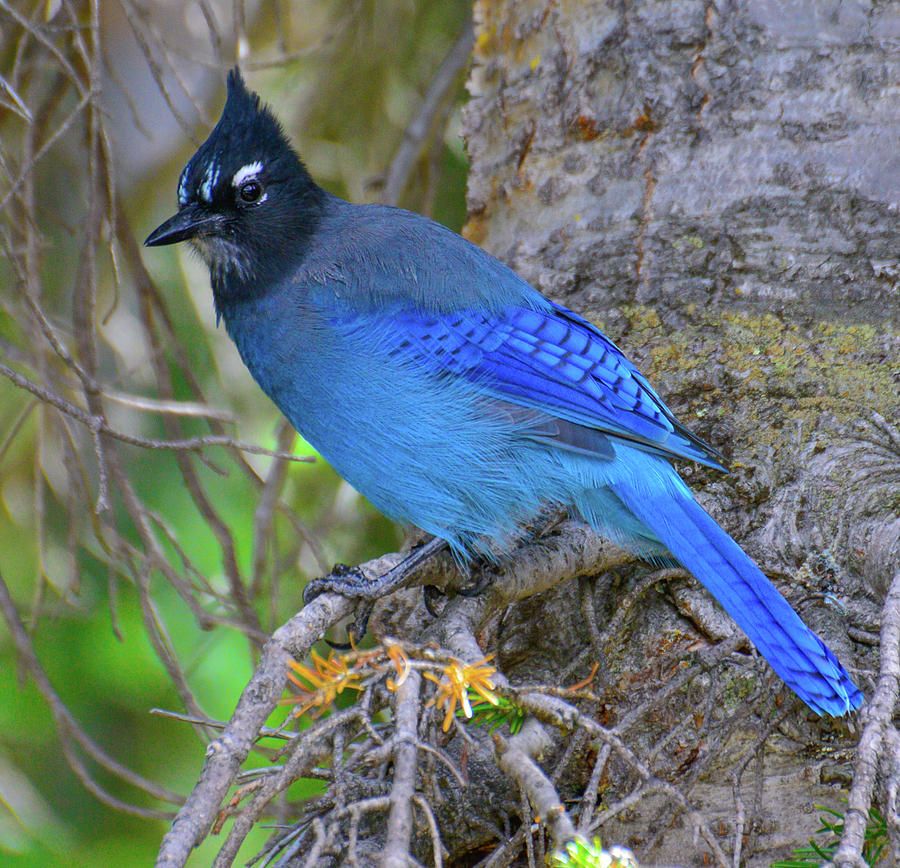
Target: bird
column 450, row 392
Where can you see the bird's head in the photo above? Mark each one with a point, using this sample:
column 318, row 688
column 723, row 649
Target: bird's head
column 245, row 200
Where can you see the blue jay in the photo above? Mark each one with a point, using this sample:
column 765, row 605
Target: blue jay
column 450, row 392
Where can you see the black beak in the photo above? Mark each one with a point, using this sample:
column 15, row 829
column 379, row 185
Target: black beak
column 189, row 222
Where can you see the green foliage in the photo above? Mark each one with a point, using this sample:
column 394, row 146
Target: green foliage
column 874, row 846
column 485, row 713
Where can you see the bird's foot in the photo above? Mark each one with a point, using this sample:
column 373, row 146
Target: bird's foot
column 348, row 582
column 356, row 630
column 356, row 583
column 432, row 593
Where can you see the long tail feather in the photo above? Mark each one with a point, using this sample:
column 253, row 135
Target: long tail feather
column 798, row 655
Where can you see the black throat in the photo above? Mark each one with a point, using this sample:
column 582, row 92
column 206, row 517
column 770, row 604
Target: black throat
column 266, row 256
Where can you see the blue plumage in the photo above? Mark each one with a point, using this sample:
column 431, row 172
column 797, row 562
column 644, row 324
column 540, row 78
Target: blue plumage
column 449, row 391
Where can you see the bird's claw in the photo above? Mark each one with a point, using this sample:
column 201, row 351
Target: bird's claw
column 353, row 583
column 357, row 630
column 431, row 594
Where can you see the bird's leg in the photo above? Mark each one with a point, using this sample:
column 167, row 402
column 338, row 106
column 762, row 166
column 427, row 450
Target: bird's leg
column 353, row 582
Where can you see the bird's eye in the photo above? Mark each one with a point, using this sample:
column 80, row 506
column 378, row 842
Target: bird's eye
column 250, row 192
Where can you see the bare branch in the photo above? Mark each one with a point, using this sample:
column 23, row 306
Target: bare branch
column 419, row 127
column 100, row 425
column 400, row 819
column 515, row 756
column 226, row 753
column 877, row 715
column 65, row 722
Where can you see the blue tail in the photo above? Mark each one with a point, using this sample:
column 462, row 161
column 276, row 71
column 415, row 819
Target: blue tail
column 799, row 657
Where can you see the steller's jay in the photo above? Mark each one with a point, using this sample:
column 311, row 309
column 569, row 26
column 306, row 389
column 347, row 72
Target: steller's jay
column 447, row 390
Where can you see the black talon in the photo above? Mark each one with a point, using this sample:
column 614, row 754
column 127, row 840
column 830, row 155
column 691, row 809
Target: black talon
column 357, row 631
column 361, row 621
column 431, row 594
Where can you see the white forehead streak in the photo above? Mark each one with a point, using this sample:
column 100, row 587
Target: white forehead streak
column 248, row 171
column 182, row 188
column 210, row 179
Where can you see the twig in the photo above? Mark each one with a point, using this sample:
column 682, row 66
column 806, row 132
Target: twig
column 589, row 798
column 98, row 423
column 708, row 657
column 65, row 722
column 400, row 819
column 265, row 731
column 306, row 752
column 878, row 716
column 414, row 136
column 140, row 30
column 740, row 810
column 562, row 714
column 190, row 409
column 264, row 514
column 226, row 753
column 515, row 756
column 323, row 839
column 431, row 822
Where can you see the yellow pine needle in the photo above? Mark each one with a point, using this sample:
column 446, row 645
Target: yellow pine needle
column 454, row 687
column 587, row 681
column 326, row 681
column 401, row 663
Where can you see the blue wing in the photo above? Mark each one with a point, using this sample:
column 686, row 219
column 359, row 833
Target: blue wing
column 555, row 362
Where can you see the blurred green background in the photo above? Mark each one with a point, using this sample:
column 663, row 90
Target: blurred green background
column 346, row 78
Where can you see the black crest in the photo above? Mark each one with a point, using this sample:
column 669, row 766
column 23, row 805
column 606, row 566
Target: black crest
column 247, row 132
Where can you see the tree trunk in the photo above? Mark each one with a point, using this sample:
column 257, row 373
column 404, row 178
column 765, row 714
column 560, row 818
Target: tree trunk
column 715, row 185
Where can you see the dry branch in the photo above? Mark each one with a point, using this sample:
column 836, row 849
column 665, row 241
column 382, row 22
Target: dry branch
column 877, row 715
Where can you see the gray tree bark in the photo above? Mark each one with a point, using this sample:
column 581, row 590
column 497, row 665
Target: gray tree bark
column 715, row 185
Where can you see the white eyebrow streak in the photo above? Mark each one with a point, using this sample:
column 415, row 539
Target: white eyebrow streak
column 245, row 172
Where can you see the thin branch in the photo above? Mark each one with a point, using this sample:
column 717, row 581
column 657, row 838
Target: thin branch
column 400, row 819
column 562, row 714
column 515, row 757
column 264, row 515
column 99, row 424
column 307, row 751
column 589, row 797
column 264, row 732
column 878, row 714
column 755, row 752
column 226, row 753
column 418, row 129
column 65, row 722
column 436, row 845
